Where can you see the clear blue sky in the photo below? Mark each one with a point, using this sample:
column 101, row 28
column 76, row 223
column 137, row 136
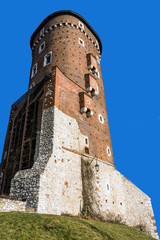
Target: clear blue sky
column 130, row 34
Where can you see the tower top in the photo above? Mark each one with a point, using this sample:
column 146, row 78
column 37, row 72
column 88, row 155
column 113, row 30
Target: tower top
column 65, row 12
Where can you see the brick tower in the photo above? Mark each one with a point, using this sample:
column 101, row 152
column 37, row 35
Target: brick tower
column 58, row 154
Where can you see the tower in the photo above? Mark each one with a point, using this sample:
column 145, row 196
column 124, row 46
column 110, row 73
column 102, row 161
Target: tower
column 58, row 134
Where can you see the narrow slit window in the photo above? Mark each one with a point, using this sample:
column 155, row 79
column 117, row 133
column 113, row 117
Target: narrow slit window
column 86, row 141
column 108, row 151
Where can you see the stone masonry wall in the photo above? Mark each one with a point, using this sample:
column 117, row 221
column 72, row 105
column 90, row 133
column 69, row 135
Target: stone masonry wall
column 7, row 205
column 111, row 196
column 61, row 182
column 25, row 184
column 64, row 181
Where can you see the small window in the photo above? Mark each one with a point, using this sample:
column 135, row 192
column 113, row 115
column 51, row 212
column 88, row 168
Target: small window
column 108, row 151
column 88, row 102
column 34, row 70
column 47, row 59
column 101, row 119
column 42, row 47
column 81, row 25
column 86, row 150
column 81, row 42
column 41, row 32
column 107, row 186
column 86, row 141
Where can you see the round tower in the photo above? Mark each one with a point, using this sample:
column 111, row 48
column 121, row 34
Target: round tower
column 65, row 40
column 68, row 38
column 57, row 154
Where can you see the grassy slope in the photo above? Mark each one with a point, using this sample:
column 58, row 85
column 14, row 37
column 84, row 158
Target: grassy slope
column 15, row 225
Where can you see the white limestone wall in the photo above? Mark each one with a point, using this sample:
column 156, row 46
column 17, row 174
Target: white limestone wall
column 60, row 190
column 7, row 205
column 116, row 199
column 62, row 181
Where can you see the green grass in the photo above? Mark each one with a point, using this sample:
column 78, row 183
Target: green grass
column 16, row 225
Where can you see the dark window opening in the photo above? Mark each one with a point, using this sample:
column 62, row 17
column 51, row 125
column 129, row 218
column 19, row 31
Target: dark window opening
column 86, row 141
column 86, row 150
column 48, row 59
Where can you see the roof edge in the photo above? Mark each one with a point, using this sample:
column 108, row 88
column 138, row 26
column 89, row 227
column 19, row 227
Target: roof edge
column 65, row 12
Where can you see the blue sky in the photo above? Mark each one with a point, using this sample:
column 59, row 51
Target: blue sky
column 130, row 34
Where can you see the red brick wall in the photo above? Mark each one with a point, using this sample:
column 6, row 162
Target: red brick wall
column 67, row 54
column 68, row 101
column 71, row 59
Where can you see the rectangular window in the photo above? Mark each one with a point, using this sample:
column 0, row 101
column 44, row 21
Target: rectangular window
column 34, row 70
column 86, row 141
column 81, row 42
column 81, row 25
column 86, row 150
column 47, row 59
column 41, row 47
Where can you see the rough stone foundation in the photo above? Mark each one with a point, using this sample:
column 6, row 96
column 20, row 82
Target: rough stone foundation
column 25, row 184
column 112, row 197
column 64, row 181
column 7, row 205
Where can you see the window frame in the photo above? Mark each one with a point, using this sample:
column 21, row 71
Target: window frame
column 81, row 42
column 101, row 120
column 86, row 143
column 45, row 59
column 40, row 50
column 34, row 73
column 108, row 151
column 81, row 25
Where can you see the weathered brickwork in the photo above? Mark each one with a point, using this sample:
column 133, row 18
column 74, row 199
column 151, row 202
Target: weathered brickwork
column 67, row 53
column 68, row 101
column 72, row 169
